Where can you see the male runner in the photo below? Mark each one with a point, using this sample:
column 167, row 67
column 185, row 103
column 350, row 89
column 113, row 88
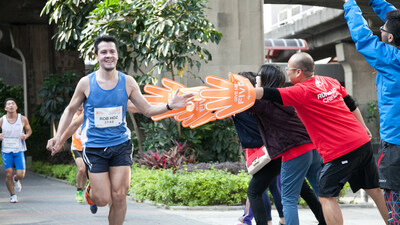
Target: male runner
column 107, row 148
column 13, row 146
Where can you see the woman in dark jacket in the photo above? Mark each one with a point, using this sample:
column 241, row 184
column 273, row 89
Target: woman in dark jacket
column 285, row 137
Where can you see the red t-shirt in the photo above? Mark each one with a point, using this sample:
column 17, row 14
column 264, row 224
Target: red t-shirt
column 297, row 151
column 333, row 129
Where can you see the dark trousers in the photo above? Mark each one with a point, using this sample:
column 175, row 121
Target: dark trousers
column 312, row 201
column 258, row 184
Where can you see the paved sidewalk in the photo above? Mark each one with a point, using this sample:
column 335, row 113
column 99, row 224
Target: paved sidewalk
column 50, row 201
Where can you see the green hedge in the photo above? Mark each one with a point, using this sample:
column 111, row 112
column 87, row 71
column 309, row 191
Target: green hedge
column 198, row 188
column 201, row 188
column 60, row 171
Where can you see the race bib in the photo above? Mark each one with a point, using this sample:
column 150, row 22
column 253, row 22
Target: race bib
column 108, row 117
column 9, row 142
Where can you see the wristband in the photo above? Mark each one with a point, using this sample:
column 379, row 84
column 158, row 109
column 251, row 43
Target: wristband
column 169, row 108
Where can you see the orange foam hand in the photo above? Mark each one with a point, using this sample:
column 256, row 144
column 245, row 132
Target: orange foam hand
column 161, row 95
column 228, row 97
column 196, row 117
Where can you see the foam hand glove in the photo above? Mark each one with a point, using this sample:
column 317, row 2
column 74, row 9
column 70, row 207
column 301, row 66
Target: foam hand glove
column 160, row 95
column 228, row 97
column 196, row 117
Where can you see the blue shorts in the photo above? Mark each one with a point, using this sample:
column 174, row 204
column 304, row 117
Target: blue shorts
column 98, row 160
column 17, row 159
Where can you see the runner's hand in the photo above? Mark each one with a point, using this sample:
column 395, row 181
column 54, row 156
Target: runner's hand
column 23, row 136
column 228, row 97
column 173, row 92
column 54, row 145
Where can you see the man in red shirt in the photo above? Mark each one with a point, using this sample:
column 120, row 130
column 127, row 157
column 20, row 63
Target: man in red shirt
column 337, row 129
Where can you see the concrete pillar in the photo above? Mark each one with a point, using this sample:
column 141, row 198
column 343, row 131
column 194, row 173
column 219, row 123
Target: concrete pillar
column 242, row 45
column 359, row 81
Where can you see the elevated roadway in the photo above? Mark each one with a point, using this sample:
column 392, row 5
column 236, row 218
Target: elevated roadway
column 324, row 29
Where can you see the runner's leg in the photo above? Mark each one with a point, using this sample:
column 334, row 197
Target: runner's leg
column 120, row 182
column 100, row 192
column 378, row 196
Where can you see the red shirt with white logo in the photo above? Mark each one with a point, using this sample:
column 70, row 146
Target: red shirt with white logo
column 333, row 129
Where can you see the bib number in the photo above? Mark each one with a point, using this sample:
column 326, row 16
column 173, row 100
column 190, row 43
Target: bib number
column 13, row 143
column 108, row 117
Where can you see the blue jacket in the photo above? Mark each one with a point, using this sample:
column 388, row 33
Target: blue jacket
column 385, row 59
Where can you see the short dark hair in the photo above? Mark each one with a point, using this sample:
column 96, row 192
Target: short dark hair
column 249, row 75
column 393, row 25
column 104, row 38
column 271, row 76
column 9, row 99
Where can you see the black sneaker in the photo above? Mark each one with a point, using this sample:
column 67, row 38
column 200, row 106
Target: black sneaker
column 93, row 209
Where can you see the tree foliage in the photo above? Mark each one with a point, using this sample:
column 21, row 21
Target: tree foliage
column 15, row 92
column 169, row 35
column 56, row 92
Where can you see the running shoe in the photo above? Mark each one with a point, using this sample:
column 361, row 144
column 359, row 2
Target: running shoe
column 13, row 199
column 79, row 196
column 93, row 207
column 17, row 185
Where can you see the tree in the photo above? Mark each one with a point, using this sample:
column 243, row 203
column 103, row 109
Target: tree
column 167, row 35
column 56, row 92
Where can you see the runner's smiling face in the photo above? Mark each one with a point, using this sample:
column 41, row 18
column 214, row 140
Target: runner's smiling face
column 107, row 55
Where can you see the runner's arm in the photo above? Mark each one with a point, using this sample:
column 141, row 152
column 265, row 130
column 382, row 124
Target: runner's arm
column 134, row 94
column 54, row 145
column 1, row 134
column 76, row 101
column 27, row 128
column 71, row 129
column 131, row 107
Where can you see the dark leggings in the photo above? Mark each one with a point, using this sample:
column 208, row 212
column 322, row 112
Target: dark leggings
column 258, row 184
column 312, row 201
column 275, row 190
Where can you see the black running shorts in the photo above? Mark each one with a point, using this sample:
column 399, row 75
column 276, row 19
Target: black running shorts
column 76, row 154
column 357, row 167
column 98, row 160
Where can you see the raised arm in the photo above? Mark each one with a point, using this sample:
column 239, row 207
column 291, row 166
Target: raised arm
column 381, row 7
column 368, row 44
column 143, row 106
column 271, row 94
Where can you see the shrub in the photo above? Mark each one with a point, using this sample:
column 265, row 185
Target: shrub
column 215, row 141
column 201, row 188
column 61, row 171
column 231, row 167
column 174, row 158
